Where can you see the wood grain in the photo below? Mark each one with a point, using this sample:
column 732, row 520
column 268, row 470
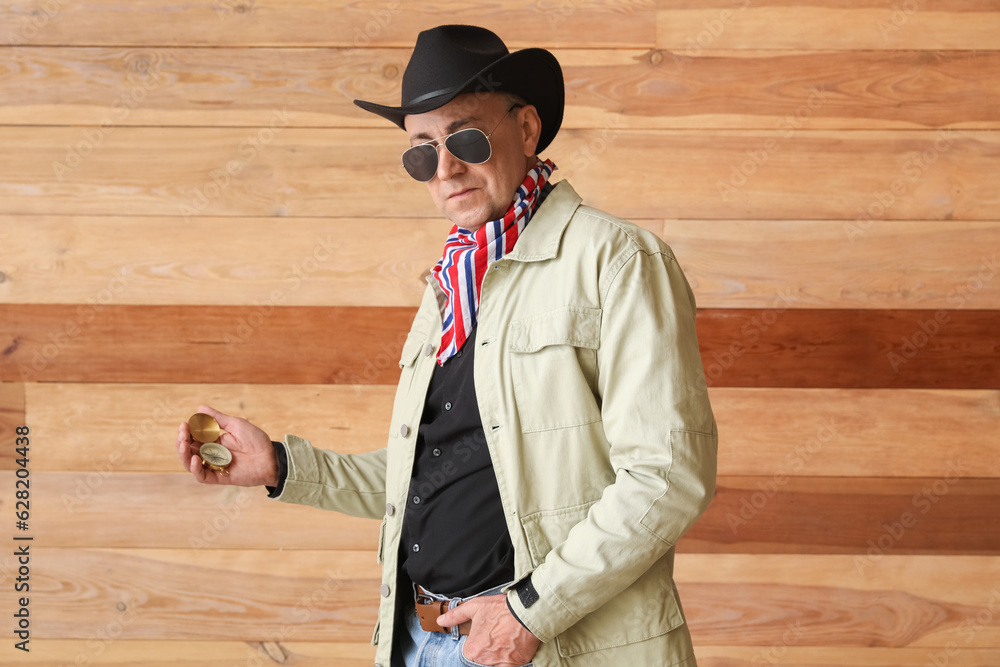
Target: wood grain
column 582, row 23
column 868, row 516
column 764, row 432
column 283, row 171
column 746, row 26
column 842, row 656
column 607, row 89
column 199, row 653
column 251, row 596
column 12, row 415
column 779, row 600
column 740, row 347
column 730, row 600
column 329, row 262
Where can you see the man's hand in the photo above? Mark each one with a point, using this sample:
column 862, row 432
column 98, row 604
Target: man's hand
column 253, row 463
column 496, row 637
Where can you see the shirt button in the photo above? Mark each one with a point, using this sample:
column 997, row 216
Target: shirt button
column 416, row 500
column 389, row 509
column 384, row 590
column 436, row 451
column 428, row 350
column 459, row 353
column 404, row 430
column 447, row 405
column 416, row 548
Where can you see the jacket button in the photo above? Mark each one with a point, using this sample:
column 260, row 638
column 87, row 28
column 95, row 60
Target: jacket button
column 428, row 350
column 384, row 590
column 404, row 430
column 389, row 509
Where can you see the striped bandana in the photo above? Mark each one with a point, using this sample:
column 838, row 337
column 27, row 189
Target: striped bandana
column 467, row 255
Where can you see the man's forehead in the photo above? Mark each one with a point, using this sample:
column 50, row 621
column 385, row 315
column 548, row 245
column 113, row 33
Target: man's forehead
column 464, row 108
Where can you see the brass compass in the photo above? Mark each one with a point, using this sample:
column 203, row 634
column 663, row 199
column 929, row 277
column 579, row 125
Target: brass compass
column 206, row 430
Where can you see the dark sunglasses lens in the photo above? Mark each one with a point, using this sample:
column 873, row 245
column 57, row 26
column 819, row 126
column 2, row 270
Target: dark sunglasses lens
column 421, row 162
column 470, row 146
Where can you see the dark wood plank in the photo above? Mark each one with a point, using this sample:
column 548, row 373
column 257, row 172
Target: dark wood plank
column 284, row 171
column 605, row 88
column 869, row 517
column 773, row 347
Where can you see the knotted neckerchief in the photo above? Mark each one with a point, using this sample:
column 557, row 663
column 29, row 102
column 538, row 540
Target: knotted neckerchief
column 467, row 254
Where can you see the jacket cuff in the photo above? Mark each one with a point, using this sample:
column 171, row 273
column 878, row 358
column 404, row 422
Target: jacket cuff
column 282, row 457
column 518, row 588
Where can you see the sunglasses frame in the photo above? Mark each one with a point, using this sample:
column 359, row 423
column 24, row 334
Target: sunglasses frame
column 443, row 141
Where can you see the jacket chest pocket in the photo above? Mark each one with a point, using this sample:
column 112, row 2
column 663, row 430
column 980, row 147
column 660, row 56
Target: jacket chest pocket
column 553, row 359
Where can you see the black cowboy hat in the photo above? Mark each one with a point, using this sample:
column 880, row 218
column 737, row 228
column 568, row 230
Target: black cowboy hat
column 450, row 60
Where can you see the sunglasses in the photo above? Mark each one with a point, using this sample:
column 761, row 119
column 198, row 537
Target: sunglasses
column 470, row 145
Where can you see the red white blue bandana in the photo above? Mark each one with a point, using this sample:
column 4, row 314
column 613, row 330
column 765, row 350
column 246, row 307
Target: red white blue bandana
column 467, row 255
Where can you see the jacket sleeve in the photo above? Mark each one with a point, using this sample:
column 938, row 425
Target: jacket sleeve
column 349, row 483
column 663, row 444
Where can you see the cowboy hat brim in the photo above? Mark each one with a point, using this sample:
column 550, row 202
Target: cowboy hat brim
column 534, row 74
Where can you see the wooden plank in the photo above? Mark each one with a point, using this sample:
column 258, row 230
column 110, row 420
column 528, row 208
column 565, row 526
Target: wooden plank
column 329, row 262
column 171, row 510
column 181, row 594
column 842, row 656
column 282, row 171
column 11, row 416
column 743, row 25
column 779, row 600
column 729, row 600
column 311, row 262
column 95, row 343
column 817, row 432
column 583, row 23
column 855, row 432
column 109, row 651
column 868, row 516
column 84, row 428
column 607, row 89
column 740, row 347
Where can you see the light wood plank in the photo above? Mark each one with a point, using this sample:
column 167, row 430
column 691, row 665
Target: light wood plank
column 251, row 596
column 293, row 172
column 740, row 347
column 323, row 262
column 816, row 432
column 112, row 652
column 730, row 600
column 607, row 89
column 583, row 23
column 902, row 601
column 11, row 416
column 843, row 656
column 743, row 25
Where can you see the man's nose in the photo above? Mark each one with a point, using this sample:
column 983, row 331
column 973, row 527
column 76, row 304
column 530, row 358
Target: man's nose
column 448, row 164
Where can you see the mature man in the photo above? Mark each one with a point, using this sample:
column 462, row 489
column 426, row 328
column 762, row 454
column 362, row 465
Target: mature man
column 551, row 435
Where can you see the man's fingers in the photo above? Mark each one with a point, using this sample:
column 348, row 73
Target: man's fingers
column 457, row 616
column 220, row 417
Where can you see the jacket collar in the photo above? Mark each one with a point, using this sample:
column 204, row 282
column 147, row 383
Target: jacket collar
column 540, row 238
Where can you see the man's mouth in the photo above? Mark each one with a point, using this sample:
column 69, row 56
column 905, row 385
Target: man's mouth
column 460, row 194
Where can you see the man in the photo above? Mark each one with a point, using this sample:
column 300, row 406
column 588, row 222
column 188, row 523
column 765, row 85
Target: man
column 551, row 436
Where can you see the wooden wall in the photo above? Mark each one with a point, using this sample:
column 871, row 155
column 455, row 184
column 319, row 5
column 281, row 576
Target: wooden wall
column 192, row 210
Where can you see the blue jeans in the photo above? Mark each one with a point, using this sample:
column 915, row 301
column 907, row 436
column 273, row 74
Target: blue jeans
column 437, row 649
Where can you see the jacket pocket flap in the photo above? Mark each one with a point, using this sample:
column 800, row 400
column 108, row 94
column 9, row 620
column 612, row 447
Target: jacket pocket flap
column 411, row 349
column 572, row 325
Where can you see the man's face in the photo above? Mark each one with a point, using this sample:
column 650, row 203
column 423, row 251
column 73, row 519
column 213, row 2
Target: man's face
column 471, row 195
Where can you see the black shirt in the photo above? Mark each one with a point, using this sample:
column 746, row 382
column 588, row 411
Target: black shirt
column 454, row 539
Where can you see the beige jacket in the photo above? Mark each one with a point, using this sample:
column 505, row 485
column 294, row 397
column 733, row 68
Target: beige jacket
column 597, row 418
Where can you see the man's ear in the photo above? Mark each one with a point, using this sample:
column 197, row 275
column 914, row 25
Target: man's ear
column 531, row 128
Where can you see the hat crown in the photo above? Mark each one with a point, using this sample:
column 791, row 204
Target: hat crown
column 446, row 56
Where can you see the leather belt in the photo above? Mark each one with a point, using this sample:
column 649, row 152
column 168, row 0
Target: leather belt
column 428, row 609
